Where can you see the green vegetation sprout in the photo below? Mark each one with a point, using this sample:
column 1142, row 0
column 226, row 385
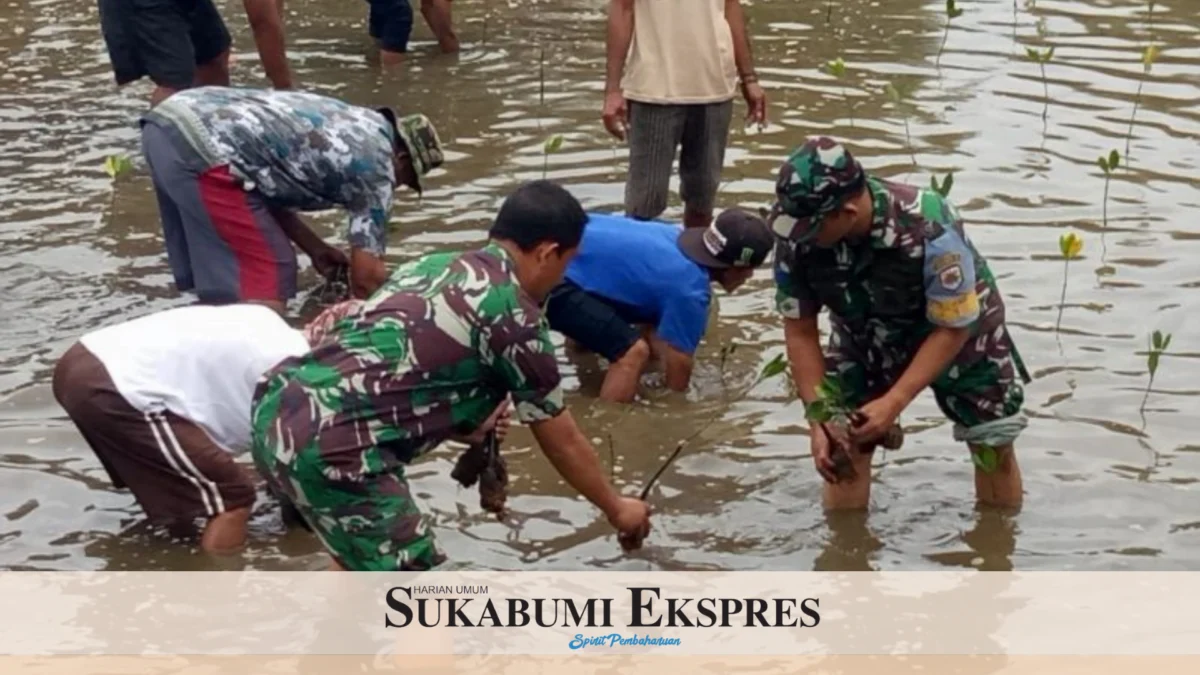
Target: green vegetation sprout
column 899, row 95
column 117, row 165
column 551, row 146
column 837, row 68
column 1158, row 345
column 944, row 187
column 1070, row 245
column 952, row 12
column 1149, row 56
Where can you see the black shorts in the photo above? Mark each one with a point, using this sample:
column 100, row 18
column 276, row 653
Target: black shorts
column 162, row 39
column 598, row 324
column 390, row 23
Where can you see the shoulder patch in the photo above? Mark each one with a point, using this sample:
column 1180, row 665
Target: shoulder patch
column 951, row 277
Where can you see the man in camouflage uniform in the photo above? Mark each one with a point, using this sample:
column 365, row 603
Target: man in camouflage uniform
column 912, row 304
column 435, row 354
column 232, row 166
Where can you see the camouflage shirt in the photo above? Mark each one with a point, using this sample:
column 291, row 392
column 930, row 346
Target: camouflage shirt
column 301, row 151
column 917, row 269
column 429, row 355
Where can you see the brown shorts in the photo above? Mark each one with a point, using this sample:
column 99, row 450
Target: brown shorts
column 175, row 471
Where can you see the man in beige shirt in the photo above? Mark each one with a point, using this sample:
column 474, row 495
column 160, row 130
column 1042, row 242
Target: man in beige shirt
column 673, row 71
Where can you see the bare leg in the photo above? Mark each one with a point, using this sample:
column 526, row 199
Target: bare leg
column 1003, row 487
column 437, row 15
column 389, row 58
column 851, row 494
column 226, row 532
column 335, row 567
column 214, row 73
column 621, row 381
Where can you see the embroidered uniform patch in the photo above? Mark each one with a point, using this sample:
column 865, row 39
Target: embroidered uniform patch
column 951, row 277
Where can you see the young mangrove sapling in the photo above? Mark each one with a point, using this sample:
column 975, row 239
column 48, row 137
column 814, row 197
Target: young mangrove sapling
column 837, row 68
column 117, row 165
column 1069, row 244
column 952, row 12
column 551, row 146
column 946, row 185
column 1158, row 344
column 899, row 95
column 1149, row 55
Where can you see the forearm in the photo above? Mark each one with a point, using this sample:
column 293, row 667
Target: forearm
column 934, row 355
column 620, row 35
column 805, row 358
column 678, row 367
column 298, row 231
column 573, row 457
column 742, row 55
column 266, row 23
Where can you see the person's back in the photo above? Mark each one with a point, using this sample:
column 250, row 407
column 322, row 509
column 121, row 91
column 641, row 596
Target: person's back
column 199, row 362
column 409, row 369
column 640, row 266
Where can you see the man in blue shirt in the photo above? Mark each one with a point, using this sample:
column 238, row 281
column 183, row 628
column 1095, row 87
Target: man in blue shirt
column 630, row 272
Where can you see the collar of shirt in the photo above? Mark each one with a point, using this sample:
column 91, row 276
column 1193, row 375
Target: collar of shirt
column 885, row 231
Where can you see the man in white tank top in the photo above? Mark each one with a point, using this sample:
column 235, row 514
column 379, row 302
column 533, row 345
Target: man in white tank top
column 164, row 402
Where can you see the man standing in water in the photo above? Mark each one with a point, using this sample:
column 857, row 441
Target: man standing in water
column 231, row 168
column 676, row 92
column 656, row 275
column 438, row 352
column 184, row 43
column 912, row 305
column 390, row 23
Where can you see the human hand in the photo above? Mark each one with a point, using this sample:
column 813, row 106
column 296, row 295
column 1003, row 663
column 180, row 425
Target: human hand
column 873, row 420
column 756, row 103
column 615, row 114
column 822, row 452
column 631, row 518
column 328, row 260
column 500, row 420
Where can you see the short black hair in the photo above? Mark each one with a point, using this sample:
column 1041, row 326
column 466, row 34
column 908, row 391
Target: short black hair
column 537, row 212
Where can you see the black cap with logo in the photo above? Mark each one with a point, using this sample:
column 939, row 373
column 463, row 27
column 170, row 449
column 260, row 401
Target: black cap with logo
column 736, row 238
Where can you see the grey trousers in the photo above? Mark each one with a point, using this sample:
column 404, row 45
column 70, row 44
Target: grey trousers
column 698, row 131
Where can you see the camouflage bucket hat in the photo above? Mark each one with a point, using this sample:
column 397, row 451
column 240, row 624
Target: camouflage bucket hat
column 424, row 146
column 815, row 180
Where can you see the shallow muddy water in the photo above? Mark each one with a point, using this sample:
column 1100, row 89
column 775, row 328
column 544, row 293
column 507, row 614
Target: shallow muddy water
column 1107, row 488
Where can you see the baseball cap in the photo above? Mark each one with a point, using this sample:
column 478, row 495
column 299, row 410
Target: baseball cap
column 815, row 180
column 419, row 137
column 736, row 238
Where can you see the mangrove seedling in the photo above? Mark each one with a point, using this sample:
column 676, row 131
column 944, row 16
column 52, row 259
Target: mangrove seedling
column 541, row 76
column 1149, row 56
column 946, row 185
column 899, row 95
column 1109, row 166
column 952, row 12
column 551, row 146
column 1069, row 244
column 837, row 68
column 1042, row 58
column 1158, row 344
column 117, row 165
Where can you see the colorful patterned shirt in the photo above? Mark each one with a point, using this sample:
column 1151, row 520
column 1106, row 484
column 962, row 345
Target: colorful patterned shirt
column 301, row 151
column 916, row 270
column 429, row 355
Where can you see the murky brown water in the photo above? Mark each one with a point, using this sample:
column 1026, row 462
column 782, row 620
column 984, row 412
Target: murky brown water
column 1106, row 489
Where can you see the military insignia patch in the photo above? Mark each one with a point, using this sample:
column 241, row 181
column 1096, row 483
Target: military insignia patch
column 951, row 277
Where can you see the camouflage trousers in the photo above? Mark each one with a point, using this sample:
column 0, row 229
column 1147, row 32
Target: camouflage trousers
column 367, row 522
column 983, row 384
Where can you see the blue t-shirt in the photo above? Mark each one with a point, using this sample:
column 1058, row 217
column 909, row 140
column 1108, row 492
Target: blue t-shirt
column 638, row 264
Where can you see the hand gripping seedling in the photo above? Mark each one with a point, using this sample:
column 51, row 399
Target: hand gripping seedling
column 835, row 415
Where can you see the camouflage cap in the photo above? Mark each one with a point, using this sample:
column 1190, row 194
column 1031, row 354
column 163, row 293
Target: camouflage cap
column 815, row 180
column 424, row 147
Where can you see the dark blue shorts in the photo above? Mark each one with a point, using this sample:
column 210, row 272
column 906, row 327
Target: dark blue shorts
column 391, row 23
column 598, row 324
column 162, row 39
